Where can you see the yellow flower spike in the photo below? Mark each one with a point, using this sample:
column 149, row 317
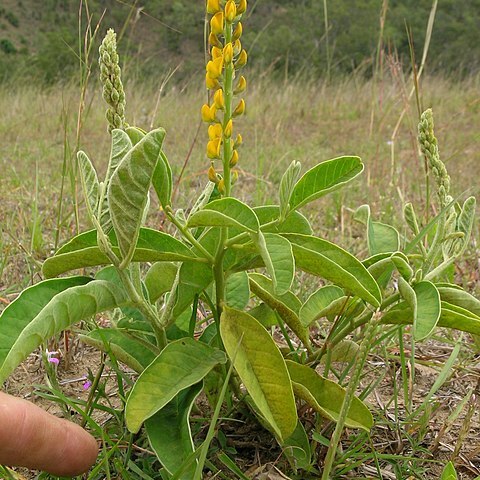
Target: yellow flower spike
column 212, row 175
column 228, row 53
column 234, row 177
column 219, row 100
column 242, row 7
column 215, row 67
column 238, row 141
column 234, row 159
column 221, row 186
column 217, row 23
column 214, row 41
column 213, row 6
column 228, row 129
column 214, row 131
column 239, row 109
column 241, row 85
column 230, row 11
column 212, row 83
column 206, row 114
column 216, row 52
column 237, row 33
column 237, row 46
column 213, row 148
column 242, row 59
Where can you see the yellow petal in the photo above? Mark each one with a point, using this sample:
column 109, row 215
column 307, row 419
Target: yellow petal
column 239, row 109
column 242, row 6
column 218, row 99
column 206, row 116
column 241, row 85
column 212, row 83
column 212, row 175
column 228, row 129
column 234, row 159
column 216, row 23
column 228, row 53
column 216, row 52
column 242, row 59
column 214, row 41
column 213, row 6
column 214, row 131
column 213, row 148
column 237, row 46
column 230, row 11
column 237, row 33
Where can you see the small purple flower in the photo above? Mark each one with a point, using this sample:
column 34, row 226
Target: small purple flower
column 51, row 358
column 86, row 385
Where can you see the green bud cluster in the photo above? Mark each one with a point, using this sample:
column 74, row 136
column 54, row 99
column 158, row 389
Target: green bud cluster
column 110, row 76
column 429, row 147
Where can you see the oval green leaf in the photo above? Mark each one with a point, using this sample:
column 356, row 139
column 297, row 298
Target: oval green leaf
column 326, row 397
column 262, row 369
column 159, row 279
column 428, row 309
column 324, row 178
column 181, row 364
column 318, row 303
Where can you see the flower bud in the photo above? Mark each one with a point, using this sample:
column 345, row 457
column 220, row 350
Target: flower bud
column 213, row 148
column 239, row 109
column 238, row 141
column 241, row 85
column 212, row 83
column 219, row 100
column 228, row 129
column 234, row 177
column 230, row 11
column 212, row 175
column 214, row 41
column 237, row 33
column 216, row 52
column 213, row 6
column 208, row 113
column 234, row 159
column 242, row 7
column 228, row 53
column 215, row 67
column 214, row 131
column 216, row 23
column 242, row 59
column 221, row 186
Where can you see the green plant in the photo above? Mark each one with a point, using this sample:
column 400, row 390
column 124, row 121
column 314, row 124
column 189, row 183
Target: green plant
column 222, row 243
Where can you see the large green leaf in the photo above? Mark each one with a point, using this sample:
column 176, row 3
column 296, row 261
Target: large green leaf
column 277, row 255
column 180, row 364
column 237, row 290
column 159, row 279
column 169, row 432
column 127, row 349
column 326, row 397
column 295, row 222
column 327, row 260
column 67, row 307
column 319, row 303
column 89, row 181
column 428, row 309
column 16, row 316
column 128, row 190
column 226, row 212
column 261, row 368
column 324, row 178
column 162, row 181
column 459, row 297
column 82, row 251
column 286, row 305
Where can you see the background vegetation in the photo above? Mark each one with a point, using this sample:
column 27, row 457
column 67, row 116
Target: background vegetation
column 283, row 36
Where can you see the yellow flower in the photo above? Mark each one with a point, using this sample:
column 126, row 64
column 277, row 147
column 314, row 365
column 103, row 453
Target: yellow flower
column 212, row 175
column 241, row 85
column 216, row 52
column 237, row 46
column 234, row 177
column 230, row 11
column 218, row 99
column 208, row 113
column 212, row 83
column 242, row 6
column 214, row 41
column 215, row 67
column 213, row 6
column 239, row 109
column 214, row 131
column 234, row 159
column 216, row 23
column 238, row 141
column 228, row 53
column 242, row 59
column 221, row 186
column 213, row 148
column 228, row 129
column 237, row 33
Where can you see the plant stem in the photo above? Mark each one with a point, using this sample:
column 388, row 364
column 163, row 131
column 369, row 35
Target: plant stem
column 228, row 93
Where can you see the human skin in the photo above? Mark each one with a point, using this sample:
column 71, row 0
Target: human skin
column 33, row 438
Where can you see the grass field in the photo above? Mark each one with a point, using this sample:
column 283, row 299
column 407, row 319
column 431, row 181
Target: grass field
column 302, row 120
